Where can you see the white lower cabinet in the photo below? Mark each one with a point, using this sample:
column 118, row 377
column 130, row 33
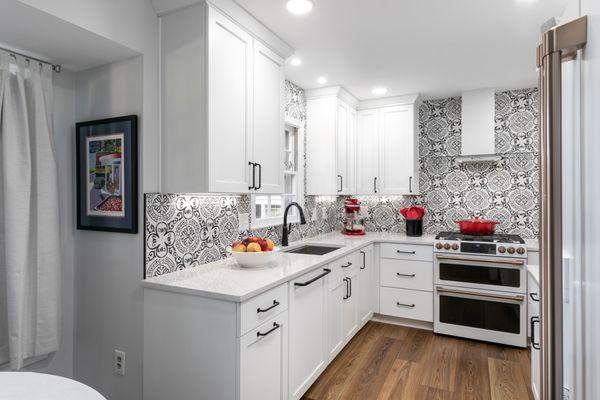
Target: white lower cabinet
column 308, row 328
column 366, row 285
column 403, row 303
column 264, row 361
column 336, row 292
column 534, row 319
column 350, row 300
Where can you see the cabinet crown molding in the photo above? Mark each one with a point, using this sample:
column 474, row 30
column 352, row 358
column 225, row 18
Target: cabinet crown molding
column 332, row 91
column 414, row 99
column 235, row 12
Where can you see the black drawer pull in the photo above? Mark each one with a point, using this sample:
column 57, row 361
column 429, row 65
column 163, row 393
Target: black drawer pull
column 316, row 278
column 405, row 305
column 275, row 327
column 364, row 254
column 347, row 265
column 533, row 321
column 347, row 295
column 534, row 297
column 275, row 304
column 405, row 275
column 405, row 252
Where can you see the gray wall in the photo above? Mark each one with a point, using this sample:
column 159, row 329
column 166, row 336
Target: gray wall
column 108, row 309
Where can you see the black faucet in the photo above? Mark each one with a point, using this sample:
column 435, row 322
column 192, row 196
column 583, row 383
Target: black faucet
column 286, row 229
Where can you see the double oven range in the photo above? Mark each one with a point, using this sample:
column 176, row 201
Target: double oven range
column 481, row 287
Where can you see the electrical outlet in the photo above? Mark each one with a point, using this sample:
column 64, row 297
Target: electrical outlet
column 119, row 362
column 244, row 221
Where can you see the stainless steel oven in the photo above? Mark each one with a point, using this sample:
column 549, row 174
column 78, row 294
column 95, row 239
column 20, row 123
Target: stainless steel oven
column 481, row 297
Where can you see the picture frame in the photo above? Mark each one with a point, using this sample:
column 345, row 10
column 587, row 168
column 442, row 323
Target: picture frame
column 107, row 174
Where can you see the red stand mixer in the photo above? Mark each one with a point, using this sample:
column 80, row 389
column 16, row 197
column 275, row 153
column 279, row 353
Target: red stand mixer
column 354, row 221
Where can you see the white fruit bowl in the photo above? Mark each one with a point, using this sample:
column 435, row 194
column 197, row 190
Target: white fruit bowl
column 255, row 260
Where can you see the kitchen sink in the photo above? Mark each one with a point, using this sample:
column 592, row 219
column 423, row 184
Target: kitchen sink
column 313, row 249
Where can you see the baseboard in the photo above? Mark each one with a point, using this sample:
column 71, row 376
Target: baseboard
column 403, row 321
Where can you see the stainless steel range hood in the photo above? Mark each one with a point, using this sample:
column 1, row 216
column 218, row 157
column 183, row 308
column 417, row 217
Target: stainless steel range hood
column 478, row 138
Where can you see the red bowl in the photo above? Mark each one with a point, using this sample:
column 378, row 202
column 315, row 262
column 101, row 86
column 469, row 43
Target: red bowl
column 477, row 226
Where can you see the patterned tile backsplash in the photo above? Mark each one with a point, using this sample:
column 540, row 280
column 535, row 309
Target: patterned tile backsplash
column 188, row 230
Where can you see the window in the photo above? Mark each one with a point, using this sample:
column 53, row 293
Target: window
column 268, row 209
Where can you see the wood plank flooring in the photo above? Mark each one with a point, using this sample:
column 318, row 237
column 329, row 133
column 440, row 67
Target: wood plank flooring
column 394, row 362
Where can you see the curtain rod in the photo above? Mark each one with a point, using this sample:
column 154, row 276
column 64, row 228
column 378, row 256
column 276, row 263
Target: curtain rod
column 55, row 67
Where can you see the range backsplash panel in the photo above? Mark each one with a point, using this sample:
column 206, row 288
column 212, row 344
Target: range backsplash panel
column 188, row 230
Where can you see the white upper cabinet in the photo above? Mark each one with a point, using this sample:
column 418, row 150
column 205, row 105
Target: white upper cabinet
column 269, row 102
column 330, row 144
column 229, row 104
column 367, row 152
column 222, row 103
column 388, row 153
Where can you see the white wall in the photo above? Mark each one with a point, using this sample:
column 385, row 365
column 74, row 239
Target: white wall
column 109, row 306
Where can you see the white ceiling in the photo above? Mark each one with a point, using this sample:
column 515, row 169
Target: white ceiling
column 434, row 47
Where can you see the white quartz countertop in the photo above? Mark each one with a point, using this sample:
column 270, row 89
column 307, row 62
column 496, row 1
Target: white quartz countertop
column 225, row 280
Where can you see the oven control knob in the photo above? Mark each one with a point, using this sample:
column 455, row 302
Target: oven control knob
column 502, row 249
column 511, row 250
column 520, row 250
column 447, row 246
column 439, row 246
column 454, row 246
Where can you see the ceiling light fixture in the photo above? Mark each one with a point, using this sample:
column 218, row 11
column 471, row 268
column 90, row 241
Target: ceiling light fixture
column 295, row 61
column 321, row 80
column 378, row 91
column 299, row 7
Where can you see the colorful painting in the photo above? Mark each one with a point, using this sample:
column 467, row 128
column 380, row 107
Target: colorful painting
column 107, row 174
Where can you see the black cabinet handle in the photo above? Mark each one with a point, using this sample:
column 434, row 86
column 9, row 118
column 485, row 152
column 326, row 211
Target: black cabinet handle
column 534, row 297
column 410, row 184
column 259, row 176
column 347, row 265
column 274, row 328
column 253, row 175
column 316, row 278
column 404, row 252
column 364, row 260
column 533, row 321
column 375, row 185
column 275, row 304
column 346, row 296
column 405, row 275
column 350, row 280
column 405, row 305
column 341, row 183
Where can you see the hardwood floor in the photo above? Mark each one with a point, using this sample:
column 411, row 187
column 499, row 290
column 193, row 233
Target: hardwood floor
column 394, row 362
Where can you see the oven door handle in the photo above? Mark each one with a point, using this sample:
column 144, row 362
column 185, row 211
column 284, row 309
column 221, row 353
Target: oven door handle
column 481, row 259
column 518, row 298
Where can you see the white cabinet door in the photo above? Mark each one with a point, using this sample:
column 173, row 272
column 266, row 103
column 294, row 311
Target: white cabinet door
column 350, row 312
column 342, row 143
column 308, row 330
column 396, row 150
column 229, row 99
column 263, row 361
column 350, row 184
column 268, row 119
column 367, row 151
column 534, row 312
column 336, row 292
column 366, row 285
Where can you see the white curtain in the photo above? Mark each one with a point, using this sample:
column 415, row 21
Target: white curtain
column 30, row 259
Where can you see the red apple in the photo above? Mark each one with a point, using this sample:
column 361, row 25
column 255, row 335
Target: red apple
column 264, row 245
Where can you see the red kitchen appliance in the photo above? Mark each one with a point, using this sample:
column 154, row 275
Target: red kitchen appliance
column 354, row 221
column 477, row 226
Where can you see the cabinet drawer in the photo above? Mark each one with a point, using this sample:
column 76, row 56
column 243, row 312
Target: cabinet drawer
column 407, row 274
column 263, row 307
column 407, row 252
column 404, row 303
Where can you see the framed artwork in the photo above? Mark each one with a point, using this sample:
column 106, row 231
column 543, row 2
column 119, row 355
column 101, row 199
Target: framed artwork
column 107, row 181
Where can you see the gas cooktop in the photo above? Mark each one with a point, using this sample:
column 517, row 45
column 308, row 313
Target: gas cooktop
column 496, row 238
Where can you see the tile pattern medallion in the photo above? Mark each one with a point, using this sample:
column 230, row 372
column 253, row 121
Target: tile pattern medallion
column 188, row 230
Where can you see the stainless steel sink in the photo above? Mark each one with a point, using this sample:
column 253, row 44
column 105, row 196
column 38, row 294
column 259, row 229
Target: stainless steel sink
column 313, row 249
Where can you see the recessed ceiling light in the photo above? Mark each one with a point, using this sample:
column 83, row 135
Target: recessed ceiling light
column 379, row 91
column 321, row 80
column 295, row 61
column 299, row 7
